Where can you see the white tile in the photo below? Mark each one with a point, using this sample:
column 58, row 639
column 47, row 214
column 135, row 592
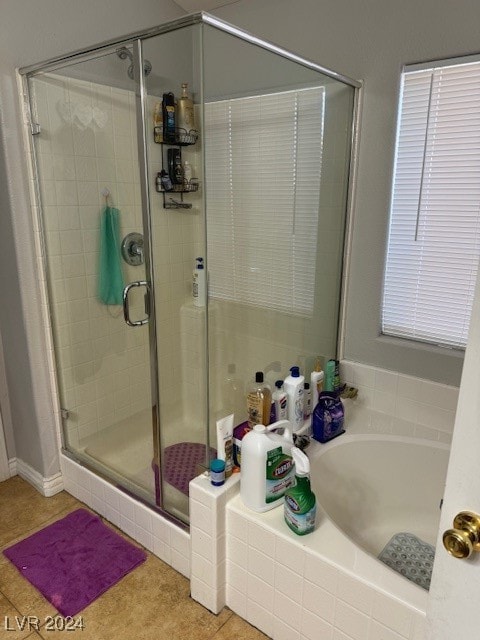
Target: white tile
column 379, row 632
column 384, row 402
column 162, row 550
column 283, row 631
column 237, row 525
column 237, row 577
column 386, row 381
column 144, row 537
column 260, row 592
column 202, row 569
column 289, row 554
column 237, row 551
column 181, row 563
column 355, row 593
column 160, row 529
column 203, row 594
column 200, row 516
column 143, row 517
column 392, row 614
column 351, row 621
column 339, row 635
column 127, row 525
column 287, row 610
column 203, row 544
column 261, row 565
column 419, row 629
column 318, row 601
column 261, row 539
column 320, row 573
column 288, row 583
column 237, row 601
column 260, row 618
column 364, row 375
column 180, row 541
column 315, row 628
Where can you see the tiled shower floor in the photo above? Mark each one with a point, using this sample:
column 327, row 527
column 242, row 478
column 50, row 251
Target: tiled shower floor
column 150, row 603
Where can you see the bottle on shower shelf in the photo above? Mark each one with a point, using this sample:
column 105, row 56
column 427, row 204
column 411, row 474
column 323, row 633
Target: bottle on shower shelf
column 185, row 112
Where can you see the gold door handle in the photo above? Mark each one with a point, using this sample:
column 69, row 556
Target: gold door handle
column 464, row 538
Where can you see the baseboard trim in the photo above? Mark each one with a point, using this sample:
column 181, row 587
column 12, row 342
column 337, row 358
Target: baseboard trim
column 12, row 467
column 46, row 486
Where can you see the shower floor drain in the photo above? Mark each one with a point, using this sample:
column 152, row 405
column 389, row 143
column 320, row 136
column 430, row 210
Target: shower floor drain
column 411, row 557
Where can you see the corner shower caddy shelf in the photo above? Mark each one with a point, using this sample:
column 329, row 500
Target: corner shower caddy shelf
column 182, row 138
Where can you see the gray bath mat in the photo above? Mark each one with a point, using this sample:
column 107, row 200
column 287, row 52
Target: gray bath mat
column 411, row 557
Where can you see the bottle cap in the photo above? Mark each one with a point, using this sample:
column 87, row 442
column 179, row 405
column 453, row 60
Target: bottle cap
column 279, row 384
column 295, row 371
column 259, row 376
column 302, row 463
column 217, row 465
column 260, row 428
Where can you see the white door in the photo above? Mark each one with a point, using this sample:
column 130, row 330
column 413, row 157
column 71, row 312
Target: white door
column 4, row 471
column 454, row 602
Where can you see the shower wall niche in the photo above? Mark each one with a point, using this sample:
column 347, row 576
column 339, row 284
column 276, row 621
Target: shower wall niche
column 272, row 160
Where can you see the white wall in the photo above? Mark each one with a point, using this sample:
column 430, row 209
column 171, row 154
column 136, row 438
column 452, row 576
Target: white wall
column 371, row 41
column 30, row 32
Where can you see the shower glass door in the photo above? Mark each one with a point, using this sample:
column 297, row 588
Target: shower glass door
column 95, row 190
column 177, row 239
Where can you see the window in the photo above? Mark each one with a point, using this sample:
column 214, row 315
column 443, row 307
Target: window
column 434, row 237
column 263, row 161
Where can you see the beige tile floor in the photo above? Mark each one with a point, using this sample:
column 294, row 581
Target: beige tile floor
column 150, row 603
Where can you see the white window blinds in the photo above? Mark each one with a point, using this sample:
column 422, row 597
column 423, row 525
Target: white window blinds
column 263, row 158
column 434, row 238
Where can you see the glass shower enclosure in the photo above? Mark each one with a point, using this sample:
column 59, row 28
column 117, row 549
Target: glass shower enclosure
column 253, row 186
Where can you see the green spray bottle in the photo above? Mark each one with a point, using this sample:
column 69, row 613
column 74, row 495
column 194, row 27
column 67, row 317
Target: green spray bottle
column 300, row 504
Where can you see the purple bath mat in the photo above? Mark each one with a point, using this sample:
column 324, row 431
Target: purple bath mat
column 180, row 461
column 74, row 560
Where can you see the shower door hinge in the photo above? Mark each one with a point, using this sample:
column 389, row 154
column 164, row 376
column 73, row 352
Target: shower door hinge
column 35, row 128
column 65, row 413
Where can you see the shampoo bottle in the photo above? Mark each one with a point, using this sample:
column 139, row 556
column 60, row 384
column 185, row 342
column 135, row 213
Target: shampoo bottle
column 316, row 383
column 185, row 113
column 199, row 285
column 300, row 506
column 158, row 123
column 259, row 401
column 293, row 385
column 279, row 398
column 168, row 110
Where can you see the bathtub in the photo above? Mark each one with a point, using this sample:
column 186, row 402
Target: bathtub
column 368, row 488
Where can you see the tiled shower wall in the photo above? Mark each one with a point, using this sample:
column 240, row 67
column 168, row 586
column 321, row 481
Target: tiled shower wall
column 103, row 365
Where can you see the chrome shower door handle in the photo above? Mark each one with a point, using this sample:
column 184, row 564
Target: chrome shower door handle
column 126, row 309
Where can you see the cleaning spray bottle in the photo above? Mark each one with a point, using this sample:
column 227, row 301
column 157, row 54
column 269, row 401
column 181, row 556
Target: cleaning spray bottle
column 267, row 465
column 300, row 506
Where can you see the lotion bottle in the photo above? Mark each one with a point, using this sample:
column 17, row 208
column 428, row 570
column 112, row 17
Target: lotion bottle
column 199, row 285
column 293, row 385
column 279, row 398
